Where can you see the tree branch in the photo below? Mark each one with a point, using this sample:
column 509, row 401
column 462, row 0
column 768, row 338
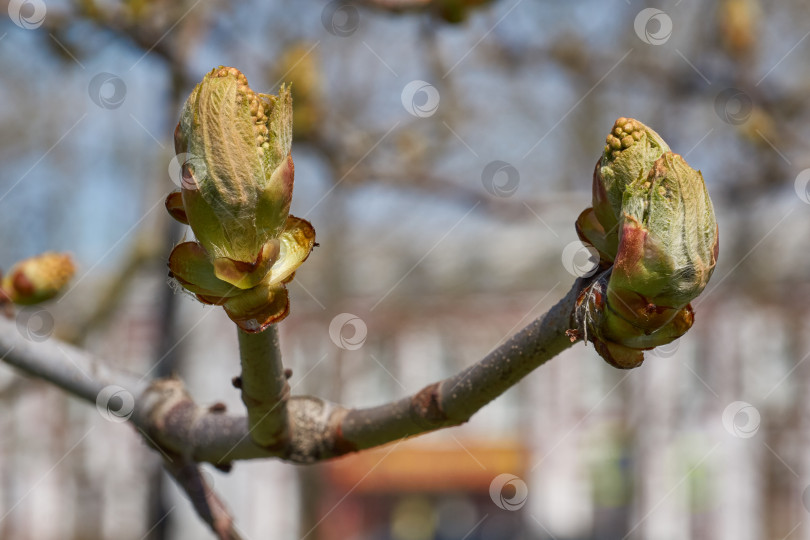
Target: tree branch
column 321, row 430
column 208, row 505
column 318, row 429
column 264, row 386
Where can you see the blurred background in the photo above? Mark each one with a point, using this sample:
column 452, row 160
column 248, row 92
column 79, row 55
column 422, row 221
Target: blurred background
column 443, row 150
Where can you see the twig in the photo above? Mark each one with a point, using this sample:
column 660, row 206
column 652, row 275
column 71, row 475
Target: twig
column 264, row 386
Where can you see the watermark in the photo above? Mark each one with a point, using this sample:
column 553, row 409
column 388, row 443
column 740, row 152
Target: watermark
column 733, row 106
column 580, row 259
column 181, row 175
column 340, row 18
column 653, row 26
column 115, row 404
column 107, row 90
column 27, row 14
column 500, row 179
column 508, row 492
column 802, row 186
column 741, row 419
column 666, row 351
column 806, row 498
column 35, row 323
column 420, row 98
column 356, row 335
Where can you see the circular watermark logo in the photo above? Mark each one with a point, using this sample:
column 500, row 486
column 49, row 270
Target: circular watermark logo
column 27, row 14
column 340, row 18
column 357, row 331
column 420, row 98
column 508, row 492
column 580, row 259
column 35, row 323
column 666, row 351
column 181, row 175
column 115, row 404
column 653, row 26
column 806, row 498
column 802, row 186
column 107, row 90
column 500, row 178
column 733, row 106
column 741, row 419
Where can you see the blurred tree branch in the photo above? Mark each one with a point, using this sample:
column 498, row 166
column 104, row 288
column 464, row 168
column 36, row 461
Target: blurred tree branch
column 144, row 252
column 208, row 505
column 398, row 5
column 452, row 11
